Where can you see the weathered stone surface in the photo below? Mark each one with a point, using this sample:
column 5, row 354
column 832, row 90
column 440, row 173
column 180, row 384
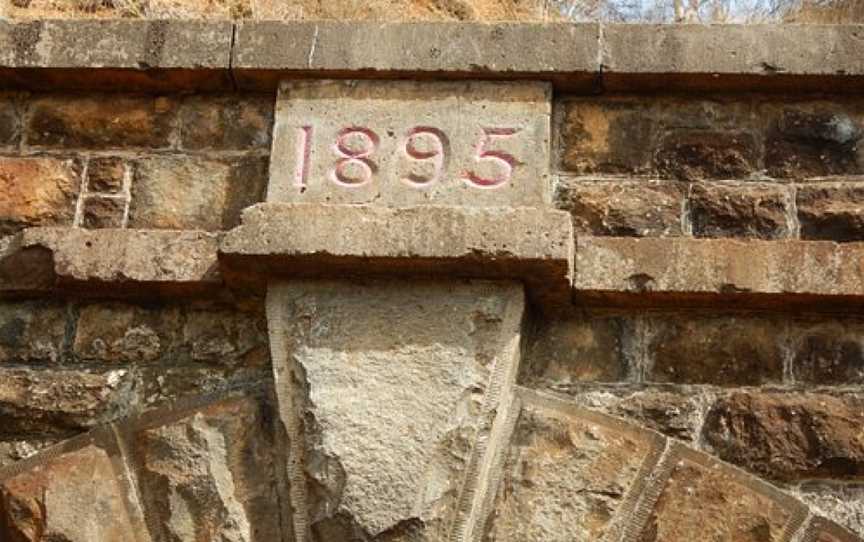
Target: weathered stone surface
column 308, row 239
column 59, row 401
column 226, row 337
column 828, row 353
column 32, row 332
column 165, row 383
column 14, row 450
column 185, row 192
column 567, row 475
column 211, row 475
column 10, row 123
column 760, row 273
column 106, row 175
column 59, row 258
column 76, row 497
column 126, row 333
column 563, row 351
column 811, row 140
column 723, row 350
column 761, row 212
column 226, row 122
column 834, row 213
column 80, row 121
column 841, row 502
column 385, row 387
column 730, row 506
column 100, row 212
column 263, row 49
column 37, row 191
column 789, row 436
column 620, row 208
column 402, row 143
column 693, row 155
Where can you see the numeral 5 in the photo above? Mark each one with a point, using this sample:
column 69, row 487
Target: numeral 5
column 505, row 160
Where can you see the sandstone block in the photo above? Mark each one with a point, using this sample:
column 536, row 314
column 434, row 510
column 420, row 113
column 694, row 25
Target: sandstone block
column 210, row 474
column 388, row 391
column 37, row 191
column 10, row 129
column 79, row 496
column 62, row 401
column 118, row 333
column 753, row 272
column 32, row 332
column 309, row 239
column 226, row 122
column 98, row 212
column 625, row 209
column 693, row 155
column 563, row 351
column 198, row 193
column 106, row 175
column 761, row 212
column 789, row 436
column 226, row 337
column 568, row 475
column 722, row 350
column 828, row 353
column 832, row 213
column 731, row 506
column 126, row 259
column 80, row 121
column 402, row 143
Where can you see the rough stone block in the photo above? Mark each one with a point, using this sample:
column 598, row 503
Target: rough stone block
column 211, row 474
column 828, row 353
column 791, row 436
column 731, row 506
column 79, row 496
column 68, row 121
column 37, row 191
column 100, row 212
column 841, row 502
column 32, row 332
column 226, row 122
column 720, row 210
column 564, row 351
column 106, row 175
column 696, row 271
column 620, row 208
column 692, row 155
column 226, row 337
column 568, row 474
column 533, row 245
column 388, row 391
column 401, row 143
column 186, row 192
column 128, row 260
column 10, row 121
column 722, row 350
column 832, row 212
column 117, row 333
column 14, row 450
column 59, row 401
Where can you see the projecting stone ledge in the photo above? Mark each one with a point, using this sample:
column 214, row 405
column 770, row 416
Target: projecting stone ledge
column 306, row 240
column 754, row 274
column 124, row 262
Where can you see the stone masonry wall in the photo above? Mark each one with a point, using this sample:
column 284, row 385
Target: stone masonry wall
column 392, row 387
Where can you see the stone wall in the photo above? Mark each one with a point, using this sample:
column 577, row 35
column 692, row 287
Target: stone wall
column 651, row 332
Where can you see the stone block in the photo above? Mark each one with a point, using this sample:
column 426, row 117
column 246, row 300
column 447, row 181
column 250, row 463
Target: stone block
column 226, row 337
column 226, row 122
column 78, row 496
column 731, row 505
column 194, row 193
column 115, row 333
column 32, row 332
column 106, row 175
column 745, row 210
column 533, row 245
column 10, row 121
column 789, row 436
column 831, row 212
column 62, row 401
column 695, row 271
column 129, row 260
column 694, row 155
column 37, row 191
column 210, row 474
column 827, row 353
column 578, row 349
column 723, row 350
column 14, row 450
column 100, row 212
column 840, row 502
column 569, row 474
column 403, row 143
column 822, row 530
column 389, row 390
column 621, row 208
column 69, row 121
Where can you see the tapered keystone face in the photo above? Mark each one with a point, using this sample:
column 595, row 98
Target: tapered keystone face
column 400, row 143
